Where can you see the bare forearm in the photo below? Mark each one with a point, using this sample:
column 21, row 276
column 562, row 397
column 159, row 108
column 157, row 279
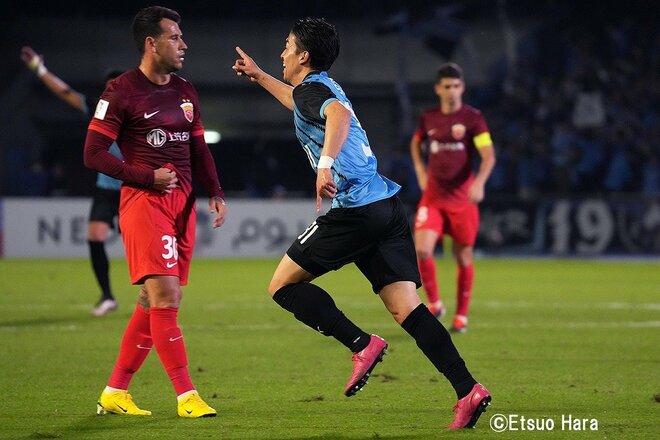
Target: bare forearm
column 281, row 91
column 63, row 91
column 245, row 66
column 338, row 123
column 487, row 164
column 416, row 155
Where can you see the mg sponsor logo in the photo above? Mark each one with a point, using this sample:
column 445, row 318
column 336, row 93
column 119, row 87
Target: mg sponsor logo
column 156, row 138
column 446, row 146
column 180, row 136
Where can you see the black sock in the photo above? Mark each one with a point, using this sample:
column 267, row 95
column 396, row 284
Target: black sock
column 314, row 307
column 434, row 341
column 101, row 267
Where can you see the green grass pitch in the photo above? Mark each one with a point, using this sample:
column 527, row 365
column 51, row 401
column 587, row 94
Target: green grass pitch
column 549, row 338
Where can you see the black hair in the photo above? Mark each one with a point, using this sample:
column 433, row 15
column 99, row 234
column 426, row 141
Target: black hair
column 449, row 70
column 147, row 23
column 319, row 38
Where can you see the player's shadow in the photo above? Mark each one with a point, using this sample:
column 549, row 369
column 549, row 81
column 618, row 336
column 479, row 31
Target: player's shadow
column 42, row 321
column 96, row 427
column 332, row 436
column 111, row 426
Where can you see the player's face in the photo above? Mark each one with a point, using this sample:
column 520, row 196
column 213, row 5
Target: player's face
column 290, row 59
column 170, row 48
column 450, row 90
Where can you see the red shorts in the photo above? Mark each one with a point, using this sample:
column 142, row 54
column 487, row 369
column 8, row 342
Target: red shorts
column 158, row 232
column 461, row 222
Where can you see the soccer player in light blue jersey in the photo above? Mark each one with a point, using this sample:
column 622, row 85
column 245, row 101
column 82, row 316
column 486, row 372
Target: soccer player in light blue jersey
column 367, row 224
column 105, row 204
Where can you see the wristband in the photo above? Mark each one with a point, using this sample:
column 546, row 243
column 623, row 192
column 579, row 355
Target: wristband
column 37, row 66
column 325, row 162
column 41, row 70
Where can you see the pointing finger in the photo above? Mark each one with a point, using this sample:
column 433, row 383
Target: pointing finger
column 240, row 52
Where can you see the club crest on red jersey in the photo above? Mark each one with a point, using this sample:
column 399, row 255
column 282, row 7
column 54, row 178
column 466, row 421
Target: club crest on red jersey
column 458, row 131
column 187, row 108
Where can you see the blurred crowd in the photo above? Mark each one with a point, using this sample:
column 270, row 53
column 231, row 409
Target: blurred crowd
column 578, row 110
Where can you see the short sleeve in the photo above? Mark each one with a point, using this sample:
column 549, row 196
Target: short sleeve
column 420, row 131
column 311, row 99
column 481, row 133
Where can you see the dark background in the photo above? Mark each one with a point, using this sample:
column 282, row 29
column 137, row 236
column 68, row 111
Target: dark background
column 528, row 65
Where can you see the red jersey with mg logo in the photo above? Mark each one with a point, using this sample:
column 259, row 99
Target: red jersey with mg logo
column 451, row 151
column 152, row 123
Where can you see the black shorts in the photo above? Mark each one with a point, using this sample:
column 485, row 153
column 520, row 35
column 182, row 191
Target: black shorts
column 376, row 237
column 105, row 206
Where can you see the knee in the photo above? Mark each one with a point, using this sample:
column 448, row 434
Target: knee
column 165, row 297
column 423, row 254
column 401, row 312
column 465, row 257
column 143, row 298
column 96, row 236
column 274, row 286
column 97, row 231
column 280, row 280
column 400, row 299
column 464, row 262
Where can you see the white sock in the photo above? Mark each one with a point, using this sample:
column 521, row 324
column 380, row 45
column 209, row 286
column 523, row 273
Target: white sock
column 109, row 390
column 181, row 396
column 438, row 304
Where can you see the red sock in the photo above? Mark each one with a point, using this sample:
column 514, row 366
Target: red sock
column 168, row 341
column 465, row 277
column 429, row 281
column 134, row 348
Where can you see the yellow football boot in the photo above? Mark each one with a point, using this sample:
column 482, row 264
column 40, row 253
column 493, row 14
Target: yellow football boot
column 192, row 406
column 119, row 402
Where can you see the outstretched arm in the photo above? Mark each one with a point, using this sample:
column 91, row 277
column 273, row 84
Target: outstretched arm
column 245, row 65
column 61, row 89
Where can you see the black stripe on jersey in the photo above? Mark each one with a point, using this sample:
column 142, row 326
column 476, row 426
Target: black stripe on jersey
column 310, row 122
column 310, row 138
column 302, row 141
column 321, row 127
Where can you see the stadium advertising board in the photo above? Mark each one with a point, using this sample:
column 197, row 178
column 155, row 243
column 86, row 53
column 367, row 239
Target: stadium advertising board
column 51, row 227
column 571, row 227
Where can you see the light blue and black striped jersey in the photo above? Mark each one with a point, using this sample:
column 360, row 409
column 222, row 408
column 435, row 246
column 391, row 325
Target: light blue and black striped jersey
column 103, row 181
column 355, row 167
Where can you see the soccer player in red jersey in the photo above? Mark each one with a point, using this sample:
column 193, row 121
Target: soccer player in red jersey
column 153, row 115
column 454, row 134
